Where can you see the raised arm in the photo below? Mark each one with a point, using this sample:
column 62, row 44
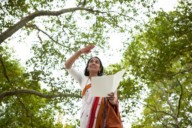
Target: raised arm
column 74, row 57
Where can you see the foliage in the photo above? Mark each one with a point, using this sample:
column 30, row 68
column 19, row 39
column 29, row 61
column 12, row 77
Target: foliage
column 21, row 110
column 161, row 58
column 54, row 30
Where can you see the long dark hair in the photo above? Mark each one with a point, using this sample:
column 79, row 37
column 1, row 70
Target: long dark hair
column 100, row 73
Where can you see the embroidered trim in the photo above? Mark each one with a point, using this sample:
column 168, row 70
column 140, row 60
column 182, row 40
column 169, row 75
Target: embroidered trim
column 85, row 89
column 93, row 111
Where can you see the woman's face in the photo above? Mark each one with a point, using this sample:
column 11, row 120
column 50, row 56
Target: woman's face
column 94, row 65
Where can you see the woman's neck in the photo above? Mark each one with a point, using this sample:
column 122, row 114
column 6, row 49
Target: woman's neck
column 92, row 74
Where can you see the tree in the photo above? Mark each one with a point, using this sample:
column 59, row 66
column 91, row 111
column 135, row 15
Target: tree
column 161, row 58
column 20, row 104
column 54, row 33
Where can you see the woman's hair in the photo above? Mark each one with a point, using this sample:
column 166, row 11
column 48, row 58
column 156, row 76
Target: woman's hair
column 100, row 73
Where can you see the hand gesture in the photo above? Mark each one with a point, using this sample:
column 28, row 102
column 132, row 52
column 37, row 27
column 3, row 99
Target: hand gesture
column 87, row 49
column 111, row 98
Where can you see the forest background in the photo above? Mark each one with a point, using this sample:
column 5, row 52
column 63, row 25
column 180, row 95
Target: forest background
column 153, row 45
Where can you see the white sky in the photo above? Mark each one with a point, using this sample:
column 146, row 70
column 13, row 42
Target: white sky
column 166, row 5
column 22, row 49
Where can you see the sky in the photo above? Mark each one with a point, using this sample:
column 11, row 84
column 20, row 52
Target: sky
column 22, row 50
column 115, row 41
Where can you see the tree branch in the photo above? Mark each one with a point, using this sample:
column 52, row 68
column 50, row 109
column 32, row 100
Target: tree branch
column 4, row 69
column 10, row 31
column 37, row 28
column 170, row 106
column 33, row 92
column 167, row 94
column 180, row 98
column 182, row 72
column 154, row 109
column 28, row 114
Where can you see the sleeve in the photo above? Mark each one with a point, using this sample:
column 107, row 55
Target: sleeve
column 76, row 75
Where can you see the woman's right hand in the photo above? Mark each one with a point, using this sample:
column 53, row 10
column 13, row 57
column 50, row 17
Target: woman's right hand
column 72, row 59
column 87, row 49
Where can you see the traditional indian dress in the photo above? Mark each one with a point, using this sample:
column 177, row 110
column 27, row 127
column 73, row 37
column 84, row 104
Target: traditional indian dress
column 93, row 112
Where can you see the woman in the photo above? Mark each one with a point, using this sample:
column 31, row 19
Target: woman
column 96, row 112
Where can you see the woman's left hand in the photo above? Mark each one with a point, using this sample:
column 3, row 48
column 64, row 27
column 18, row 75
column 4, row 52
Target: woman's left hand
column 111, row 98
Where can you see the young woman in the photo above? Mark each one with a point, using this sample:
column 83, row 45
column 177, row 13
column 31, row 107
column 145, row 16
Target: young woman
column 96, row 112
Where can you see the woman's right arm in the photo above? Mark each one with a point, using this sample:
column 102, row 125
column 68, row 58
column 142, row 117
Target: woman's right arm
column 68, row 64
column 72, row 59
column 75, row 56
